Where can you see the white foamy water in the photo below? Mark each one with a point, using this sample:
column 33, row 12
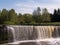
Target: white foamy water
column 51, row 41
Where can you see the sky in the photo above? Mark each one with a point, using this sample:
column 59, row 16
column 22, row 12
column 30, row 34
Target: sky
column 28, row 6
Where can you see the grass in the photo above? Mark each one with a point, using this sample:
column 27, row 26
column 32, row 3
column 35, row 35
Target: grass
column 45, row 23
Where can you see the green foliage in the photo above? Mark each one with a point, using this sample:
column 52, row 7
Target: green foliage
column 20, row 19
column 37, row 15
column 10, row 17
column 28, row 18
column 4, row 16
column 46, row 16
column 37, row 18
column 9, row 23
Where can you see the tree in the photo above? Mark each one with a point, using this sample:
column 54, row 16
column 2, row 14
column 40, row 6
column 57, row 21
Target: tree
column 38, row 11
column 34, row 13
column 12, row 17
column 55, row 12
column 37, row 15
column 45, row 15
column 4, row 16
column 28, row 18
column 56, row 15
column 20, row 18
column 0, row 12
column 0, row 17
column 58, row 12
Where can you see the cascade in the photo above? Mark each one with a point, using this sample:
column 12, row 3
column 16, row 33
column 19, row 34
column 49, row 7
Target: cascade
column 39, row 35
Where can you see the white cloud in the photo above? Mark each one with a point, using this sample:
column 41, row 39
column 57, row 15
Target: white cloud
column 31, row 5
column 56, row 1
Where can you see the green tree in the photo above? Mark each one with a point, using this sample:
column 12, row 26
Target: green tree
column 0, row 17
column 55, row 12
column 28, row 18
column 45, row 15
column 38, row 11
column 12, row 17
column 37, row 15
column 3, row 16
column 20, row 18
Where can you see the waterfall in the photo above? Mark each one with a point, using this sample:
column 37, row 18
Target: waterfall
column 33, row 32
column 21, row 32
column 39, row 35
column 44, row 31
column 57, row 35
column 13, row 32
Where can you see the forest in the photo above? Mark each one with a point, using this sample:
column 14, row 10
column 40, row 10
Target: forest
column 10, row 17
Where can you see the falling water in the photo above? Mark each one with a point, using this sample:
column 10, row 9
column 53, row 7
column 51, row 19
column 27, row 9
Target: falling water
column 37, row 34
column 21, row 32
column 33, row 32
column 13, row 32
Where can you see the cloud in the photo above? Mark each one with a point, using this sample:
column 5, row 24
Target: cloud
column 30, row 5
column 56, row 1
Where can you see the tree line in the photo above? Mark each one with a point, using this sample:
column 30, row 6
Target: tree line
column 11, row 17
